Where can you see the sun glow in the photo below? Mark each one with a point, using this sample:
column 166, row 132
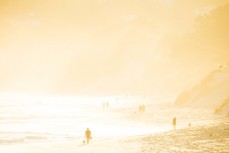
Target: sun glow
column 142, row 75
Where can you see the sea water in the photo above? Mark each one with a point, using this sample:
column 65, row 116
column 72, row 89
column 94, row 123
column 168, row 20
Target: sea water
column 35, row 119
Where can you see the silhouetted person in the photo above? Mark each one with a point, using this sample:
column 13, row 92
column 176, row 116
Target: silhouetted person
column 140, row 108
column 189, row 125
column 174, row 123
column 143, row 108
column 104, row 105
column 107, row 104
column 88, row 135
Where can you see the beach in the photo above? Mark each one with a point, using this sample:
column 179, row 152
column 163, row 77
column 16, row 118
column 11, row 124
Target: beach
column 212, row 138
column 114, row 76
column 57, row 127
column 209, row 138
column 120, row 128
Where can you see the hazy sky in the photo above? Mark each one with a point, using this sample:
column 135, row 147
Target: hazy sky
column 95, row 46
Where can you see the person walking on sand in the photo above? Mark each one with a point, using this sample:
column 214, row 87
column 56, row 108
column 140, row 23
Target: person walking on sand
column 88, row 135
column 174, row 123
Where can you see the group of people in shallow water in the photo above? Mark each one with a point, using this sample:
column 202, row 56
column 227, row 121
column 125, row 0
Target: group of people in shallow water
column 105, row 104
column 141, row 108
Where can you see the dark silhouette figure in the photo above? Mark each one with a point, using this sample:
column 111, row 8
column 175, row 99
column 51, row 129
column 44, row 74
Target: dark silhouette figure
column 174, row 123
column 88, row 135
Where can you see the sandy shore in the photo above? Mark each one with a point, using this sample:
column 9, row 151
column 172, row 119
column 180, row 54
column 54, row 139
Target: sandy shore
column 209, row 139
column 212, row 138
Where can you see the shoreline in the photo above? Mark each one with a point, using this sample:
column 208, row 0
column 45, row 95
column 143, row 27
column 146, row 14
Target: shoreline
column 207, row 138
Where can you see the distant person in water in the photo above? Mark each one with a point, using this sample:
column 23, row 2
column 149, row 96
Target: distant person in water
column 88, row 135
column 174, row 123
column 104, row 105
column 143, row 108
column 140, row 108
